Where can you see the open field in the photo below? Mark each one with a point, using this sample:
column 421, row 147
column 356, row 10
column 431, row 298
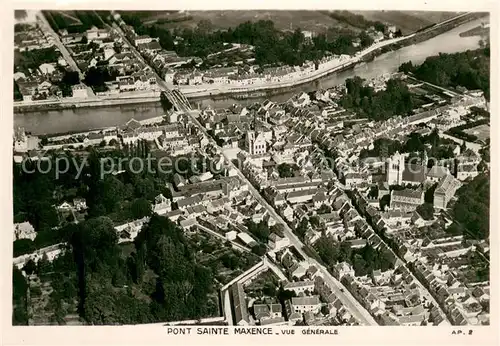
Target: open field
column 316, row 21
column 482, row 132
column 408, row 21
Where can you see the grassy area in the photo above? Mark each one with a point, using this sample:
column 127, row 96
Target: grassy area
column 408, row 21
column 482, row 132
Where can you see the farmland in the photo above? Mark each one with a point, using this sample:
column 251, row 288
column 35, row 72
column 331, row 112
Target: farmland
column 316, row 21
column 407, row 21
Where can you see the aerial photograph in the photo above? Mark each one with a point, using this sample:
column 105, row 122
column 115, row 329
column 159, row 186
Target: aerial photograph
column 251, row 168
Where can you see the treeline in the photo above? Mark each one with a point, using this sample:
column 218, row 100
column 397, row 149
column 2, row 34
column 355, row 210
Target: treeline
column 472, row 209
column 364, row 260
column 459, row 132
column 396, row 99
column 470, row 69
column 356, row 20
column 272, row 46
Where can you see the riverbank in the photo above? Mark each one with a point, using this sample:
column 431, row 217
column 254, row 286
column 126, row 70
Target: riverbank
column 83, row 119
column 84, row 103
column 266, row 90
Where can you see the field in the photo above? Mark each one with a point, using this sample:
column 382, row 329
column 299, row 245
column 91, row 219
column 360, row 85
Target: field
column 407, row 21
column 482, row 132
column 316, row 21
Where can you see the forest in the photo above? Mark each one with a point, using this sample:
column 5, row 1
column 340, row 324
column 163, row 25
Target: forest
column 472, row 209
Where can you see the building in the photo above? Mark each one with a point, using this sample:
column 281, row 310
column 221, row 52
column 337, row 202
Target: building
column 407, row 199
column 300, row 286
column 47, row 69
column 277, row 243
column 255, row 143
column 445, row 190
column 401, row 173
column 79, row 91
column 246, row 239
column 436, row 173
column 239, row 305
column 342, row 269
column 142, row 39
column 24, row 230
column 304, row 304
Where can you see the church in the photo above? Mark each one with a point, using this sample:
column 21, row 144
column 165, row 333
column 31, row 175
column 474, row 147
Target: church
column 400, row 172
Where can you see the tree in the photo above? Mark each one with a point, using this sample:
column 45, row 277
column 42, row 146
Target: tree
column 259, row 249
column 140, row 208
column 30, row 267
column 285, row 170
column 426, row 211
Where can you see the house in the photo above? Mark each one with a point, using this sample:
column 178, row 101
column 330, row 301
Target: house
column 79, row 91
column 46, row 69
column 142, row 39
column 277, row 243
column 24, row 230
column 292, row 315
column 342, row 269
column 261, row 312
column 162, row 205
column 300, row 286
column 304, row 304
column 80, row 204
column 239, row 305
column 65, row 206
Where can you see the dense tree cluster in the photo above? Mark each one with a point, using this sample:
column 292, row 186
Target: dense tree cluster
column 286, row 170
column 426, row 211
column 364, row 260
column 471, row 211
column 396, row 99
column 74, row 21
column 96, row 77
column 470, row 69
column 356, row 20
column 32, row 59
column 435, row 146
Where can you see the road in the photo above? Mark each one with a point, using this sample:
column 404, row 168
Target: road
column 64, row 51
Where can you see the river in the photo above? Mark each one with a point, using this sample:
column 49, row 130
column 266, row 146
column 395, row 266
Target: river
column 83, row 119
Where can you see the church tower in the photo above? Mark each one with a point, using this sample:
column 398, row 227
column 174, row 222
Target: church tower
column 394, row 168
